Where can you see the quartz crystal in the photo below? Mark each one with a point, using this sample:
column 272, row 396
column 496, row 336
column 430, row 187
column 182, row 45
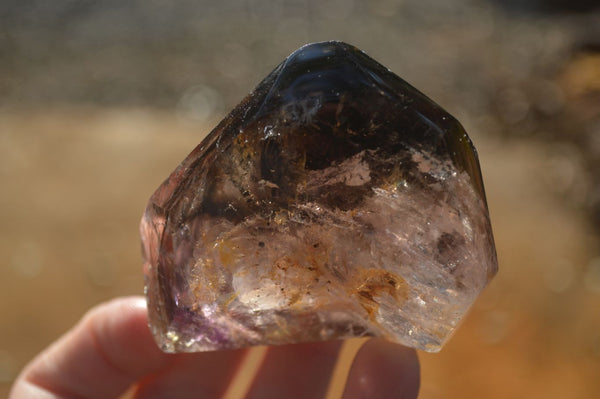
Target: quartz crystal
column 335, row 201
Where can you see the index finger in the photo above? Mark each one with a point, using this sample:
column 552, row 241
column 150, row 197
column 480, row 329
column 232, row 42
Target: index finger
column 102, row 356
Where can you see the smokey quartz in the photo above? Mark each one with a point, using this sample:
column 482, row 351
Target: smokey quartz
column 335, row 201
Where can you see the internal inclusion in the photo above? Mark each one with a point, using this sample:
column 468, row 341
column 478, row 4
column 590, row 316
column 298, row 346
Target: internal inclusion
column 335, row 201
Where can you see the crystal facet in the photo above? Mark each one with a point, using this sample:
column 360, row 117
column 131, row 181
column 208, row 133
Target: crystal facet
column 335, row 201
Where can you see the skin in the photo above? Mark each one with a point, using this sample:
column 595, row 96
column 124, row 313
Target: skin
column 111, row 349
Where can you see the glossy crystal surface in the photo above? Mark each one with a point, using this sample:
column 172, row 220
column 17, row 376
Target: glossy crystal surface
column 335, row 201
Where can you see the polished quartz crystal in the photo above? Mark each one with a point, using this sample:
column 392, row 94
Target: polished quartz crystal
column 335, row 201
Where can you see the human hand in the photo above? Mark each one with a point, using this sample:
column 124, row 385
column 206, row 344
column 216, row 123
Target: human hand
column 111, row 349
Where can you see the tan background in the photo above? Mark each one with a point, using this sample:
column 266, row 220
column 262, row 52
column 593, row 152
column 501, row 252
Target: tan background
column 92, row 121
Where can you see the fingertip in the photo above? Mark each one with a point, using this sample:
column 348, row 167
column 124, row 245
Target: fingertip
column 110, row 348
column 382, row 369
column 120, row 327
column 122, row 308
column 279, row 374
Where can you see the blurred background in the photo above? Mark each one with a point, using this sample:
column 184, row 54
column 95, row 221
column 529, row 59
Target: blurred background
column 99, row 101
